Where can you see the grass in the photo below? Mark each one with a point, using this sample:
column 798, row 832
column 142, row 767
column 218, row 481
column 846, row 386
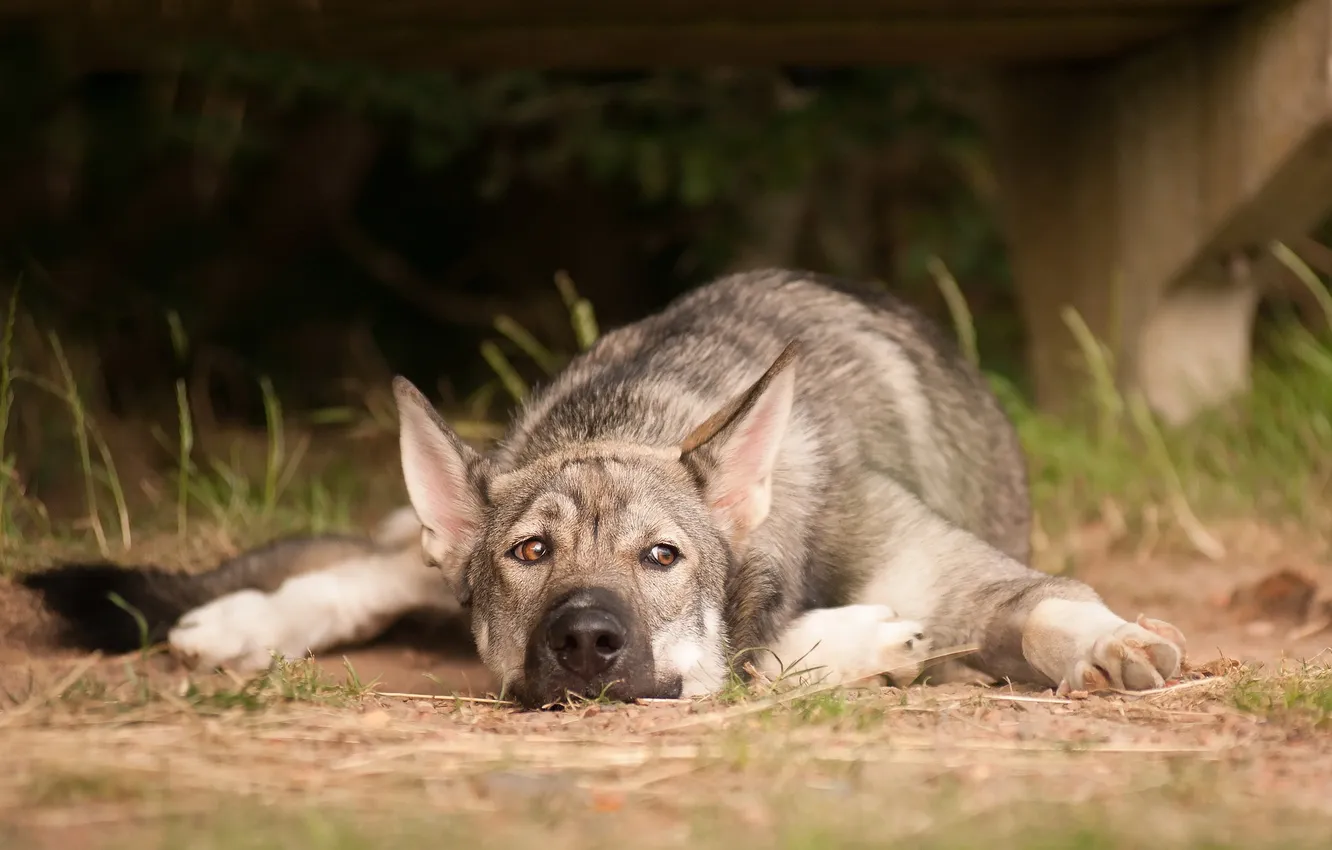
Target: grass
column 323, row 766
column 1300, row 695
column 226, row 492
column 120, row 687
column 1268, row 454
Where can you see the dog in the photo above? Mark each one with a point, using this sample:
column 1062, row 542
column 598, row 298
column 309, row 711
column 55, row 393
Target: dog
column 779, row 473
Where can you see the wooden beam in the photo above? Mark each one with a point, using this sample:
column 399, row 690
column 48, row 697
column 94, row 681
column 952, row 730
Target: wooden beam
column 1127, row 185
column 595, row 34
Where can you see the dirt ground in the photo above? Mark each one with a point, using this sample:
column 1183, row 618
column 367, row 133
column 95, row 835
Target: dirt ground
column 121, row 751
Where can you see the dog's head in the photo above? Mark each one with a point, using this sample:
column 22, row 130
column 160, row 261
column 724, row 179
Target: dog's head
column 599, row 569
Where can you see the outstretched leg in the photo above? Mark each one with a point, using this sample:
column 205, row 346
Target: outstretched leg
column 348, row 602
column 1029, row 627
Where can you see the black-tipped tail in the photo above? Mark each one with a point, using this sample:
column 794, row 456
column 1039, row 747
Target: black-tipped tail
column 111, row 608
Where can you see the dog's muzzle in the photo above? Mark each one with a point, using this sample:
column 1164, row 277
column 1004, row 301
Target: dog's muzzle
column 587, row 644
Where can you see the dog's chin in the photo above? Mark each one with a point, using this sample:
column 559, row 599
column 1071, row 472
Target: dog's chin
column 670, row 689
column 553, row 693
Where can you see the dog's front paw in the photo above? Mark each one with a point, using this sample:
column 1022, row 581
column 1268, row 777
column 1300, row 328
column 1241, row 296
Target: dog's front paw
column 1134, row 657
column 239, row 631
column 900, row 650
column 1081, row 645
column 850, row 643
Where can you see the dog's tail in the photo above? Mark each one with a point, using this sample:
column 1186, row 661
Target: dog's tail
column 114, row 608
column 104, row 606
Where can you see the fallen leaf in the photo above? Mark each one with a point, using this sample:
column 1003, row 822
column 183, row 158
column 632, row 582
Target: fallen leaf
column 1282, row 595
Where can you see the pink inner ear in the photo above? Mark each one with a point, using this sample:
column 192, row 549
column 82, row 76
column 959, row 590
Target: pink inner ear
column 748, row 455
column 445, row 503
column 436, row 479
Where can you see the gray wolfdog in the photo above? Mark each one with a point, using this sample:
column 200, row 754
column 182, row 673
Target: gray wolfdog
column 777, row 468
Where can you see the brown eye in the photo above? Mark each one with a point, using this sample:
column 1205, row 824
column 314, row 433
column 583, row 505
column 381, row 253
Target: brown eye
column 663, row 554
column 531, row 549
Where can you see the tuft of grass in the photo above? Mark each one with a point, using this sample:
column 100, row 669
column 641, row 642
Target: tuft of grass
column 279, row 498
column 1306, row 276
column 573, row 702
column 276, row 473
column 1300, row 694
column 1112, row 406
column 824, row 707
column 140, row 622
column 582, row 320
column 286, row 681
column 1267, row 454
column 80, row 425
column 508, row 376
column 547, row 360
column 185, row 425
column 86, row 435
column 957, row 308
column 581, row 315
column 734, row 690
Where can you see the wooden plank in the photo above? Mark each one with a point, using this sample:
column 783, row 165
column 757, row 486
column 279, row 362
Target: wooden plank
column 597, row 34
column 410, row 43
column 529, row 14
column 567, row 12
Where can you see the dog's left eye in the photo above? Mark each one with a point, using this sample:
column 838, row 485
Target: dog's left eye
column 531, row 549
column 663, row 555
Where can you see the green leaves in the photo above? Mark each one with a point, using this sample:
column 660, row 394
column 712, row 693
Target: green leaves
column 695, row 137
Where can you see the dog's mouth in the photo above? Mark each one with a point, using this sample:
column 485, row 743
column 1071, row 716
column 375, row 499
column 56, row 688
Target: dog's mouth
column 533, row 697
column 588, row 646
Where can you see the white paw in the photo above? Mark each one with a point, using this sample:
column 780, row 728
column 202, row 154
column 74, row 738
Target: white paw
column 239, row 631
column 850, row 643
column 1134, row 657
column 1084, row 646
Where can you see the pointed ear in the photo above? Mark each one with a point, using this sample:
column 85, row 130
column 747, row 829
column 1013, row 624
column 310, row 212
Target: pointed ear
column 735, row 450
column 441, row 473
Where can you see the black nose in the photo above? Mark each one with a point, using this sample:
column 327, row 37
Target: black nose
column 586, row 641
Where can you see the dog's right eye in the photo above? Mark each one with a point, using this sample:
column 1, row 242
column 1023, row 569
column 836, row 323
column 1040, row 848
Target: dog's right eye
column 663, row 555
column 531, row 549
